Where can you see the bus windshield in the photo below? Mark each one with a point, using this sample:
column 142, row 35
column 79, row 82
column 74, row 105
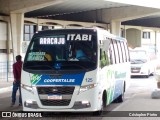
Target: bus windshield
column 138, row 56
column 62, row 52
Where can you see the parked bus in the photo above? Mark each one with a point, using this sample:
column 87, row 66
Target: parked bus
column 76, row 70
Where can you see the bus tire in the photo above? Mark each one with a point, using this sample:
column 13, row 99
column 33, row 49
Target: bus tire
column 103, row 105
column 120, row 98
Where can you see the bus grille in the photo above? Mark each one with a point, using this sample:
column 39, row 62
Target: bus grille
column 55, row 90
column 55, row 102
column 58, row 90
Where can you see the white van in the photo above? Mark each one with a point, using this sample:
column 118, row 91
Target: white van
column 142, row 63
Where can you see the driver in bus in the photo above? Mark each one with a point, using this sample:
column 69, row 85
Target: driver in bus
column 77, row 55
column 73, row 56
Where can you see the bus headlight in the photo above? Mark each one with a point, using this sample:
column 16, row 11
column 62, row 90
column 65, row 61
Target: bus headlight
column 28, row 88
column 86, row 87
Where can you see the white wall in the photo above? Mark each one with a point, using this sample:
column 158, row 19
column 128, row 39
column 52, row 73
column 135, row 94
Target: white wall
column 3, row 43
column 133, row 37
column 3, row 31
column 3, row 35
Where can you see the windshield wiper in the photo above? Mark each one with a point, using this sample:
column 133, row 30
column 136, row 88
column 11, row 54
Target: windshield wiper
column 38, row 66
column 80, row 66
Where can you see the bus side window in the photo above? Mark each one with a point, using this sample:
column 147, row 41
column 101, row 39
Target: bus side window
column 112, row 53
column 103, row 59
column 116, row 53
column 109, row 53
column 123, row 52
column 120, row 52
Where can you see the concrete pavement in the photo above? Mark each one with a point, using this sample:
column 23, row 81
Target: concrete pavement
column 5, row 86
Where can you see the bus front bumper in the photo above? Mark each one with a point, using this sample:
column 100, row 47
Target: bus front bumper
column 78, row 105
column 83, row 102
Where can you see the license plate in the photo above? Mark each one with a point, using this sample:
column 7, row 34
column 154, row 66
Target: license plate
column 54, row 97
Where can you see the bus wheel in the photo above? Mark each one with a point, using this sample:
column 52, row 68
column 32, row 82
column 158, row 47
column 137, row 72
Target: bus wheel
column 103, row 105
column 121, row 97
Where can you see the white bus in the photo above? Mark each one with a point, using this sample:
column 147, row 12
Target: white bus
column 76, row 70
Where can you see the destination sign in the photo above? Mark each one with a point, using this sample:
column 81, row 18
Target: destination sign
column 52, row 41
column 60, row 40
column 79, row 37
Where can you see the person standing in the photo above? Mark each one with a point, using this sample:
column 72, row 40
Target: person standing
column 17, row 80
